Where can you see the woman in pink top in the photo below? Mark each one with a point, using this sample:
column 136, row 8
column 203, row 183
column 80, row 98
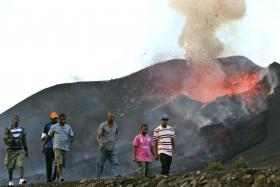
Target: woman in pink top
column 143, row 151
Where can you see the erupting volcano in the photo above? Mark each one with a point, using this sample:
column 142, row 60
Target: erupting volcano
column 206, row 79
column 207, row 83
column 218, row 111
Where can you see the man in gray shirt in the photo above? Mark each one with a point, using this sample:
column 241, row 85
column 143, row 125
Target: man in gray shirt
column 106, row 139
column 62, row 135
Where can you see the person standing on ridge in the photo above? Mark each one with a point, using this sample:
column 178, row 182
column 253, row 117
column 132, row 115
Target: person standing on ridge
column 143, row 151
column 48, row 149
column 106, row 139
column 62, row 135
column 16, row 149
column 165, row 147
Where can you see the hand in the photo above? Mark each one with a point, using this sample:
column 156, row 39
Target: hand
column 174, row 152
column 43, row 150
column 18, row 141
column 134, row 159
column 101, row 146
column 156, row 157
column 72, row 139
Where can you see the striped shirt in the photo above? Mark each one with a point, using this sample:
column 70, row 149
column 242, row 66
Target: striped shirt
column 164, row 137
column 16, row 132
column 11, row 134
column 61, row 135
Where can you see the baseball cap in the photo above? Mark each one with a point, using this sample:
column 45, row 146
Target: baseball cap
column 53, row 115
column 164, row 117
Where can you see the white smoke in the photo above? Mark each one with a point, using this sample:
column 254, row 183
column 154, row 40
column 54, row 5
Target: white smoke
column 203, row 18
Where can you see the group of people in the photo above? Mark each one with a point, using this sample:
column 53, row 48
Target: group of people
column 57, row 136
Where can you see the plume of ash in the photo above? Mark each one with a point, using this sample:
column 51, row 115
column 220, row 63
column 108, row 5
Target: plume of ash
column 271, row 78
column 204, row 17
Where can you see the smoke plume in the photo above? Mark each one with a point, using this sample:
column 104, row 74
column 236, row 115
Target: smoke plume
column 204, row 17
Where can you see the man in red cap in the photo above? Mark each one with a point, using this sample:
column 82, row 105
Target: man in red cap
column 48, row 148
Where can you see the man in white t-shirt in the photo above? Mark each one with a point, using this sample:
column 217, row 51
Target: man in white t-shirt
column 164, row 141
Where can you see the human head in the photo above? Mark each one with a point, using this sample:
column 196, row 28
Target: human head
column 15, row 120
column 62, row 119
column 53, row 117
column 144, row 129
column 110, row 117
column 164, row 119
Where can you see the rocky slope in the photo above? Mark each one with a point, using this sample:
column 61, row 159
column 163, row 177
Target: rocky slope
column 219, row 129
column 229, row 178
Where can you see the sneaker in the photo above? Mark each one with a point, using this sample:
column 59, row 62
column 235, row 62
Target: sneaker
column 61, row 179
column 11, row 183
column 22, row 181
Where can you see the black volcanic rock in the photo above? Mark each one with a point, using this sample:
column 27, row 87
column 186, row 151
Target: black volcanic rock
column 228, row 177
column 267, row 152
column 136, row 99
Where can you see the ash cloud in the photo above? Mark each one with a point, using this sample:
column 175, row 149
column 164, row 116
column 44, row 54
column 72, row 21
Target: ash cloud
column 204, row 17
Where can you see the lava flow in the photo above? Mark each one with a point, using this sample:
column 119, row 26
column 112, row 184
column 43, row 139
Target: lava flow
column 208, row 82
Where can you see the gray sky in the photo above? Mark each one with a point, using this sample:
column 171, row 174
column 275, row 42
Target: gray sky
column 44, row 43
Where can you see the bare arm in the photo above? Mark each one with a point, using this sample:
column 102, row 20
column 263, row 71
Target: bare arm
column 24, row 143
column 43, row 137
column 156, row 149
column 45, row 142
column 173, row 145
column 45, row 133
column 152, row 148
column 98, row 139
column 134, row 153
column 72, row 139
column 99, row 135
column 153, row 151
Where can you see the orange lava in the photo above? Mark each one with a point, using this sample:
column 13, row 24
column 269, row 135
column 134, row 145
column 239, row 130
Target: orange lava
column 208, row 82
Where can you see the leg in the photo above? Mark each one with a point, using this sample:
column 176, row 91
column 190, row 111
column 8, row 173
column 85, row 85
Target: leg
column 113, row 159
column 141, row 168
column 21, row 172
column 49, row 162
column 164, row 163
column 59, row 170
column 10, row 164
column 59, row 161
column 101, row 159
column 169, row 161
column 55, row 168
column 54, row 173
column 20, row 164
column 10, row 172
column 148, row 169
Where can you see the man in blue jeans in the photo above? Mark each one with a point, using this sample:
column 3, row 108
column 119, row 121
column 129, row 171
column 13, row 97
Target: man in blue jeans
column 106, row 139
